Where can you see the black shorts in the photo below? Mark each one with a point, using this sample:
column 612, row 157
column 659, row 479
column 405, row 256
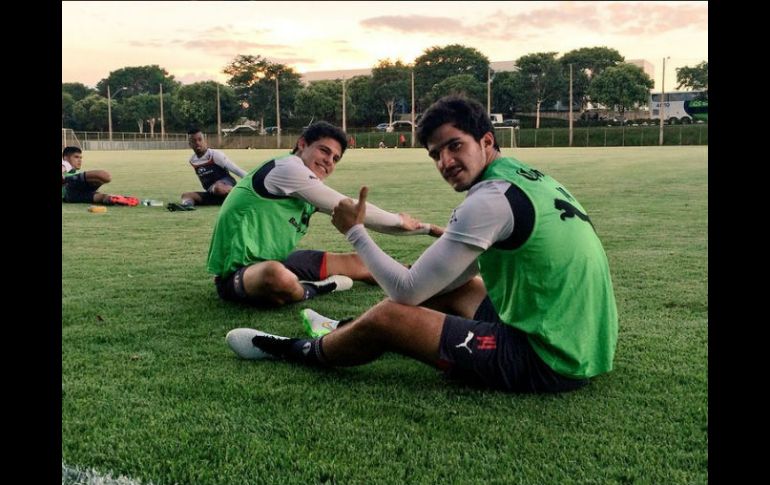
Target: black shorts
column 487, row 352
column 207, row 198
column 78, row 190
column 307, row 264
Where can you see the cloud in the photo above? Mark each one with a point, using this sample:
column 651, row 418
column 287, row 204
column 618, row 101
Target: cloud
column 618, row 18
column 414, row 23
column 654, row 18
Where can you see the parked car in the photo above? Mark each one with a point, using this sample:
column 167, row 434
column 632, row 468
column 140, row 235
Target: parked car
column 381, row 127
column 400, row 125
column 271, row 130
column 509, row 122
column 239, row 129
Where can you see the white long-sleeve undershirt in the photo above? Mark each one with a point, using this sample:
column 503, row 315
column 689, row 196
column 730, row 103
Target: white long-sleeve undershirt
column 293, row 178
column 482, row 219
column 444, row 266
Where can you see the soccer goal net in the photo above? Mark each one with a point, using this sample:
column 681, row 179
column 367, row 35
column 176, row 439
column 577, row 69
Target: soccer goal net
column 68, row 139
column 506, row 136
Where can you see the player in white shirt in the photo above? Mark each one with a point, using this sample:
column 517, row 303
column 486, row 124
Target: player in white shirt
column 213, row 169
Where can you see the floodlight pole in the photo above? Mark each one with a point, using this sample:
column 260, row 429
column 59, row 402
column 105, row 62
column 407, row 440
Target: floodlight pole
column 109, row 108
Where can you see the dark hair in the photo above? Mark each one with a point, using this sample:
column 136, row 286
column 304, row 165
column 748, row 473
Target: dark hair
column 322, row 129
column 193, row 130
column 464, row 114
column 70, row 150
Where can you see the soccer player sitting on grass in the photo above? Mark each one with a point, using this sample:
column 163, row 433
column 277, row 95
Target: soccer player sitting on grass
column 267, row 213
column 542, row 316
column 82, row 187
column 213, row 170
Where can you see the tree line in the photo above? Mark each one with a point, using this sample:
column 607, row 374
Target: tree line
column 540, row 82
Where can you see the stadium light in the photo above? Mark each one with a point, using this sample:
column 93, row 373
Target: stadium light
column 109, row 108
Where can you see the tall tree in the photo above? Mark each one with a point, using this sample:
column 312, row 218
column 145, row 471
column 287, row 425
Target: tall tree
column 253, row 79
column 320, row 100
column 508, row 92
column 196, row 104
column 621, row 87
column 588, row 62
column 78, row 91
column 369, row 111
column 543, row 80
column 439, row 63
column 391, row 83
column 695, row 78
column 90, row 113
column 138, row 80
column 460, row 84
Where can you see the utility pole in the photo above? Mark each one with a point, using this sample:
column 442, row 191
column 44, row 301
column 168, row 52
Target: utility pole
column 661, row 105
column 277, row 114
column 570, row 105
column 489, row 91
column 413, row 107
column 162, row 120
column 344, row 124
column 219, row 121
column 109, row 111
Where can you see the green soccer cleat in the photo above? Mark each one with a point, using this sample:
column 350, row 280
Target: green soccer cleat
column 317, row 325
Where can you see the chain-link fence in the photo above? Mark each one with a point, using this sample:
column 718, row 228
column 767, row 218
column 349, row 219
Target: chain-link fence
column 596, row 136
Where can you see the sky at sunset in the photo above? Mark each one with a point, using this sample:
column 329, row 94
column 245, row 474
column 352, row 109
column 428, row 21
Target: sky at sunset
column 194, row 41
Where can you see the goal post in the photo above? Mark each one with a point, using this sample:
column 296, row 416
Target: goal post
column 68, row 138
column 505, row 136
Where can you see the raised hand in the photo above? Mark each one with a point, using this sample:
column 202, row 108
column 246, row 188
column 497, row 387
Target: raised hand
column 348, row 213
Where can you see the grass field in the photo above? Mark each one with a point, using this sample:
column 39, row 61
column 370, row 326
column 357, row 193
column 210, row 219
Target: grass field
column 151, row 391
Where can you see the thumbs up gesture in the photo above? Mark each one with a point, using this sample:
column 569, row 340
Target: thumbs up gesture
column 348, row 213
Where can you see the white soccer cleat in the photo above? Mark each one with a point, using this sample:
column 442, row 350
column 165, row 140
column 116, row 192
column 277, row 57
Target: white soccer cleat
column 240, row 341
column 317, row 325
column 341, row 283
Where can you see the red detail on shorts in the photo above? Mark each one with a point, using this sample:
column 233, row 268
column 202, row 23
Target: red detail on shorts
column 322, row 272
column 486, row 342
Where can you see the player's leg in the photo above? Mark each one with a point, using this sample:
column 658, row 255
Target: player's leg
column 463, row 301
column 207, row 198
column 222, row 187
column 389, row 326
column 189, row 199
column 348, row 264
column 97, row 178
column 386, row 327
column 270, row 283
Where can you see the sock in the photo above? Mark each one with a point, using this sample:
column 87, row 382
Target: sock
column 187, row 202
column 310, row 291
column 304, row 351
column 313, row 289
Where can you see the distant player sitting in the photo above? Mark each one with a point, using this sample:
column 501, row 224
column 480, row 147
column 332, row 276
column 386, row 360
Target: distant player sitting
column 213, row 169
column 81, row 187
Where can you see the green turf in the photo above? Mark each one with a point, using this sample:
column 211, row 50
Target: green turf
column 151, row 391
